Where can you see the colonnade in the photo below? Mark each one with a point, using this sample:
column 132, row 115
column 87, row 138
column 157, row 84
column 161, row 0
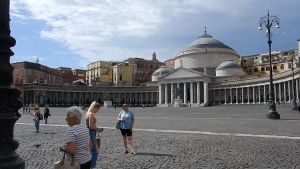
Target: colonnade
column 255, row 94
column 136, row 97
column 195, row 93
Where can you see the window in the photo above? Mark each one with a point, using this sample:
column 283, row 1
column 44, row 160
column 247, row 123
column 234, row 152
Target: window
column 274, row 67
column 290, row 65
column 262, row 69
column 282, row 66
column 255, row 70
column 267, row 68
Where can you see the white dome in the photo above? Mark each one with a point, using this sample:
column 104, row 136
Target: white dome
column 229, row 68
column 206, row 53
column 227, row 65
column 159, row 73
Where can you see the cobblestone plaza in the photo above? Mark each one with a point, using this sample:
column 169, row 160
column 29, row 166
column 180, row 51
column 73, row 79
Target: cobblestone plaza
column 228, row 136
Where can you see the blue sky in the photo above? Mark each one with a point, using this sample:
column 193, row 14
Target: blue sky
column 73, row 33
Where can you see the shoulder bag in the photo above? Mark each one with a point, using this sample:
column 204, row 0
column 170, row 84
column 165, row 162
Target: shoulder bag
column 98, row 141
column 67, row 164
column 118, row 125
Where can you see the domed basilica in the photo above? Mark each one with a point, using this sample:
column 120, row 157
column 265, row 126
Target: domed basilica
column 209, row 72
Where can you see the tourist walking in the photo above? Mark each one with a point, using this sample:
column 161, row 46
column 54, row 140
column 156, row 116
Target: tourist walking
column 46, row 114
column 93, row 129
column 27, row 111
column 78, row 140
column 37, row 117
column 126, row 120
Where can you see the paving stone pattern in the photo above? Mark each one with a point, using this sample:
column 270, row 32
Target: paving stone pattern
column 177, row 150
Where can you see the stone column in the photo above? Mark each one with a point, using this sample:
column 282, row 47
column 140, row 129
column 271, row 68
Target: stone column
column 225, row 96
column 191, row 93
column 248, row 94
column 265, row 95
column 198, row 92
column 166, row 94
column 284, row 91
column 297, row 89
column 172, row 93
column 205, row 86
column 289, row 88
column 231, row 95
column 236, row 96
column 279, row 92
column 160, row 94
column 253, row 95
column 243, row 96
column 259, row 98
column 184, row 93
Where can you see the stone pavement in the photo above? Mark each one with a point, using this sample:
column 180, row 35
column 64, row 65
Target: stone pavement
column 221, row 137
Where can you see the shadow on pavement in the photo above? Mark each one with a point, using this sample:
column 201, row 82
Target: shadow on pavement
column 155, row 154
column 288, row 119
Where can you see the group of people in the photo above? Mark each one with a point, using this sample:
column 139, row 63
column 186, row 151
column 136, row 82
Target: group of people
column 38, row 116
column 81, row 139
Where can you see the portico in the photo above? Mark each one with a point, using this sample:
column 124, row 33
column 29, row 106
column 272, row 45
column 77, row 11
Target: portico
column 187, row 85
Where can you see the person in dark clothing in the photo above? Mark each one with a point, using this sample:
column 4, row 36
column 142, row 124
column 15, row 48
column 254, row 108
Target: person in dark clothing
column 46, row 114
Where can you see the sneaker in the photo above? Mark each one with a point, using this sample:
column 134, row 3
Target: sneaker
column 125, row 152
column 133, row 152
column 36, row 131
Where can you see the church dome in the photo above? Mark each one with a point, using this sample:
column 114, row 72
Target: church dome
column 159, row 73
column 228, row 64
column 206, row 41
column 205, row 54
column 229, row 68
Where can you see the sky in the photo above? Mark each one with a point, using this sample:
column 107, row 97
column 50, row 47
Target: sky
column 74, row 33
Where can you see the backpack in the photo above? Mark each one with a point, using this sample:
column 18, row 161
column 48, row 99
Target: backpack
column 40, row 116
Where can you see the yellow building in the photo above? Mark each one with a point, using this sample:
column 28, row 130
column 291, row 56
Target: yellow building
column 99, row 73
column 122, row 74
column 258, row 65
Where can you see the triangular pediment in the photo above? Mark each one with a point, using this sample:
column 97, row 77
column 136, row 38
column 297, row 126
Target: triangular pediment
column 183, row 73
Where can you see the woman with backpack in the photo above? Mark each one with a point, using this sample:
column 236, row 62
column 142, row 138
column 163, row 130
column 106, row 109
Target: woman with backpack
column 37, row 116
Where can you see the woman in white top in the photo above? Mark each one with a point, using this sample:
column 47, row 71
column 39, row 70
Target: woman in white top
column 93, row 129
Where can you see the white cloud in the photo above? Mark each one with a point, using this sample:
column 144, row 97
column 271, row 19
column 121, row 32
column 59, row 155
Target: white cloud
column 117, row 29
column 89, row 27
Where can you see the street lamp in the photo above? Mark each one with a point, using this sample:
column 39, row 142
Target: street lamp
column 11, row 101
column 294, row 86
column 267, row 22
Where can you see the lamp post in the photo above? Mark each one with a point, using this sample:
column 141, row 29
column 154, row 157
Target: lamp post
column 10, row 100
column 294, row 86
column 267, row 22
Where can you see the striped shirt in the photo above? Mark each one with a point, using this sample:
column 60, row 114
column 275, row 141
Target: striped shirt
column 79, row 135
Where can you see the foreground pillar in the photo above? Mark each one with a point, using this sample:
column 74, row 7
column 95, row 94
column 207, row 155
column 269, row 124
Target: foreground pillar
column 9, row 106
